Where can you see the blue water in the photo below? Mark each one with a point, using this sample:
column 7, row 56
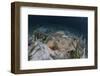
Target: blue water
column 75, row 25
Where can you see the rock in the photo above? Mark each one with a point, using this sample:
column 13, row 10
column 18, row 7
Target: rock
column 57, row 46
column 40, row 52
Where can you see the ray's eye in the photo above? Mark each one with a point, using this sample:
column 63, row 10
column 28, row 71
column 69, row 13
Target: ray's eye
column 70, row 51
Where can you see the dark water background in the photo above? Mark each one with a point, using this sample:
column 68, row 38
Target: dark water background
column 75, row 25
